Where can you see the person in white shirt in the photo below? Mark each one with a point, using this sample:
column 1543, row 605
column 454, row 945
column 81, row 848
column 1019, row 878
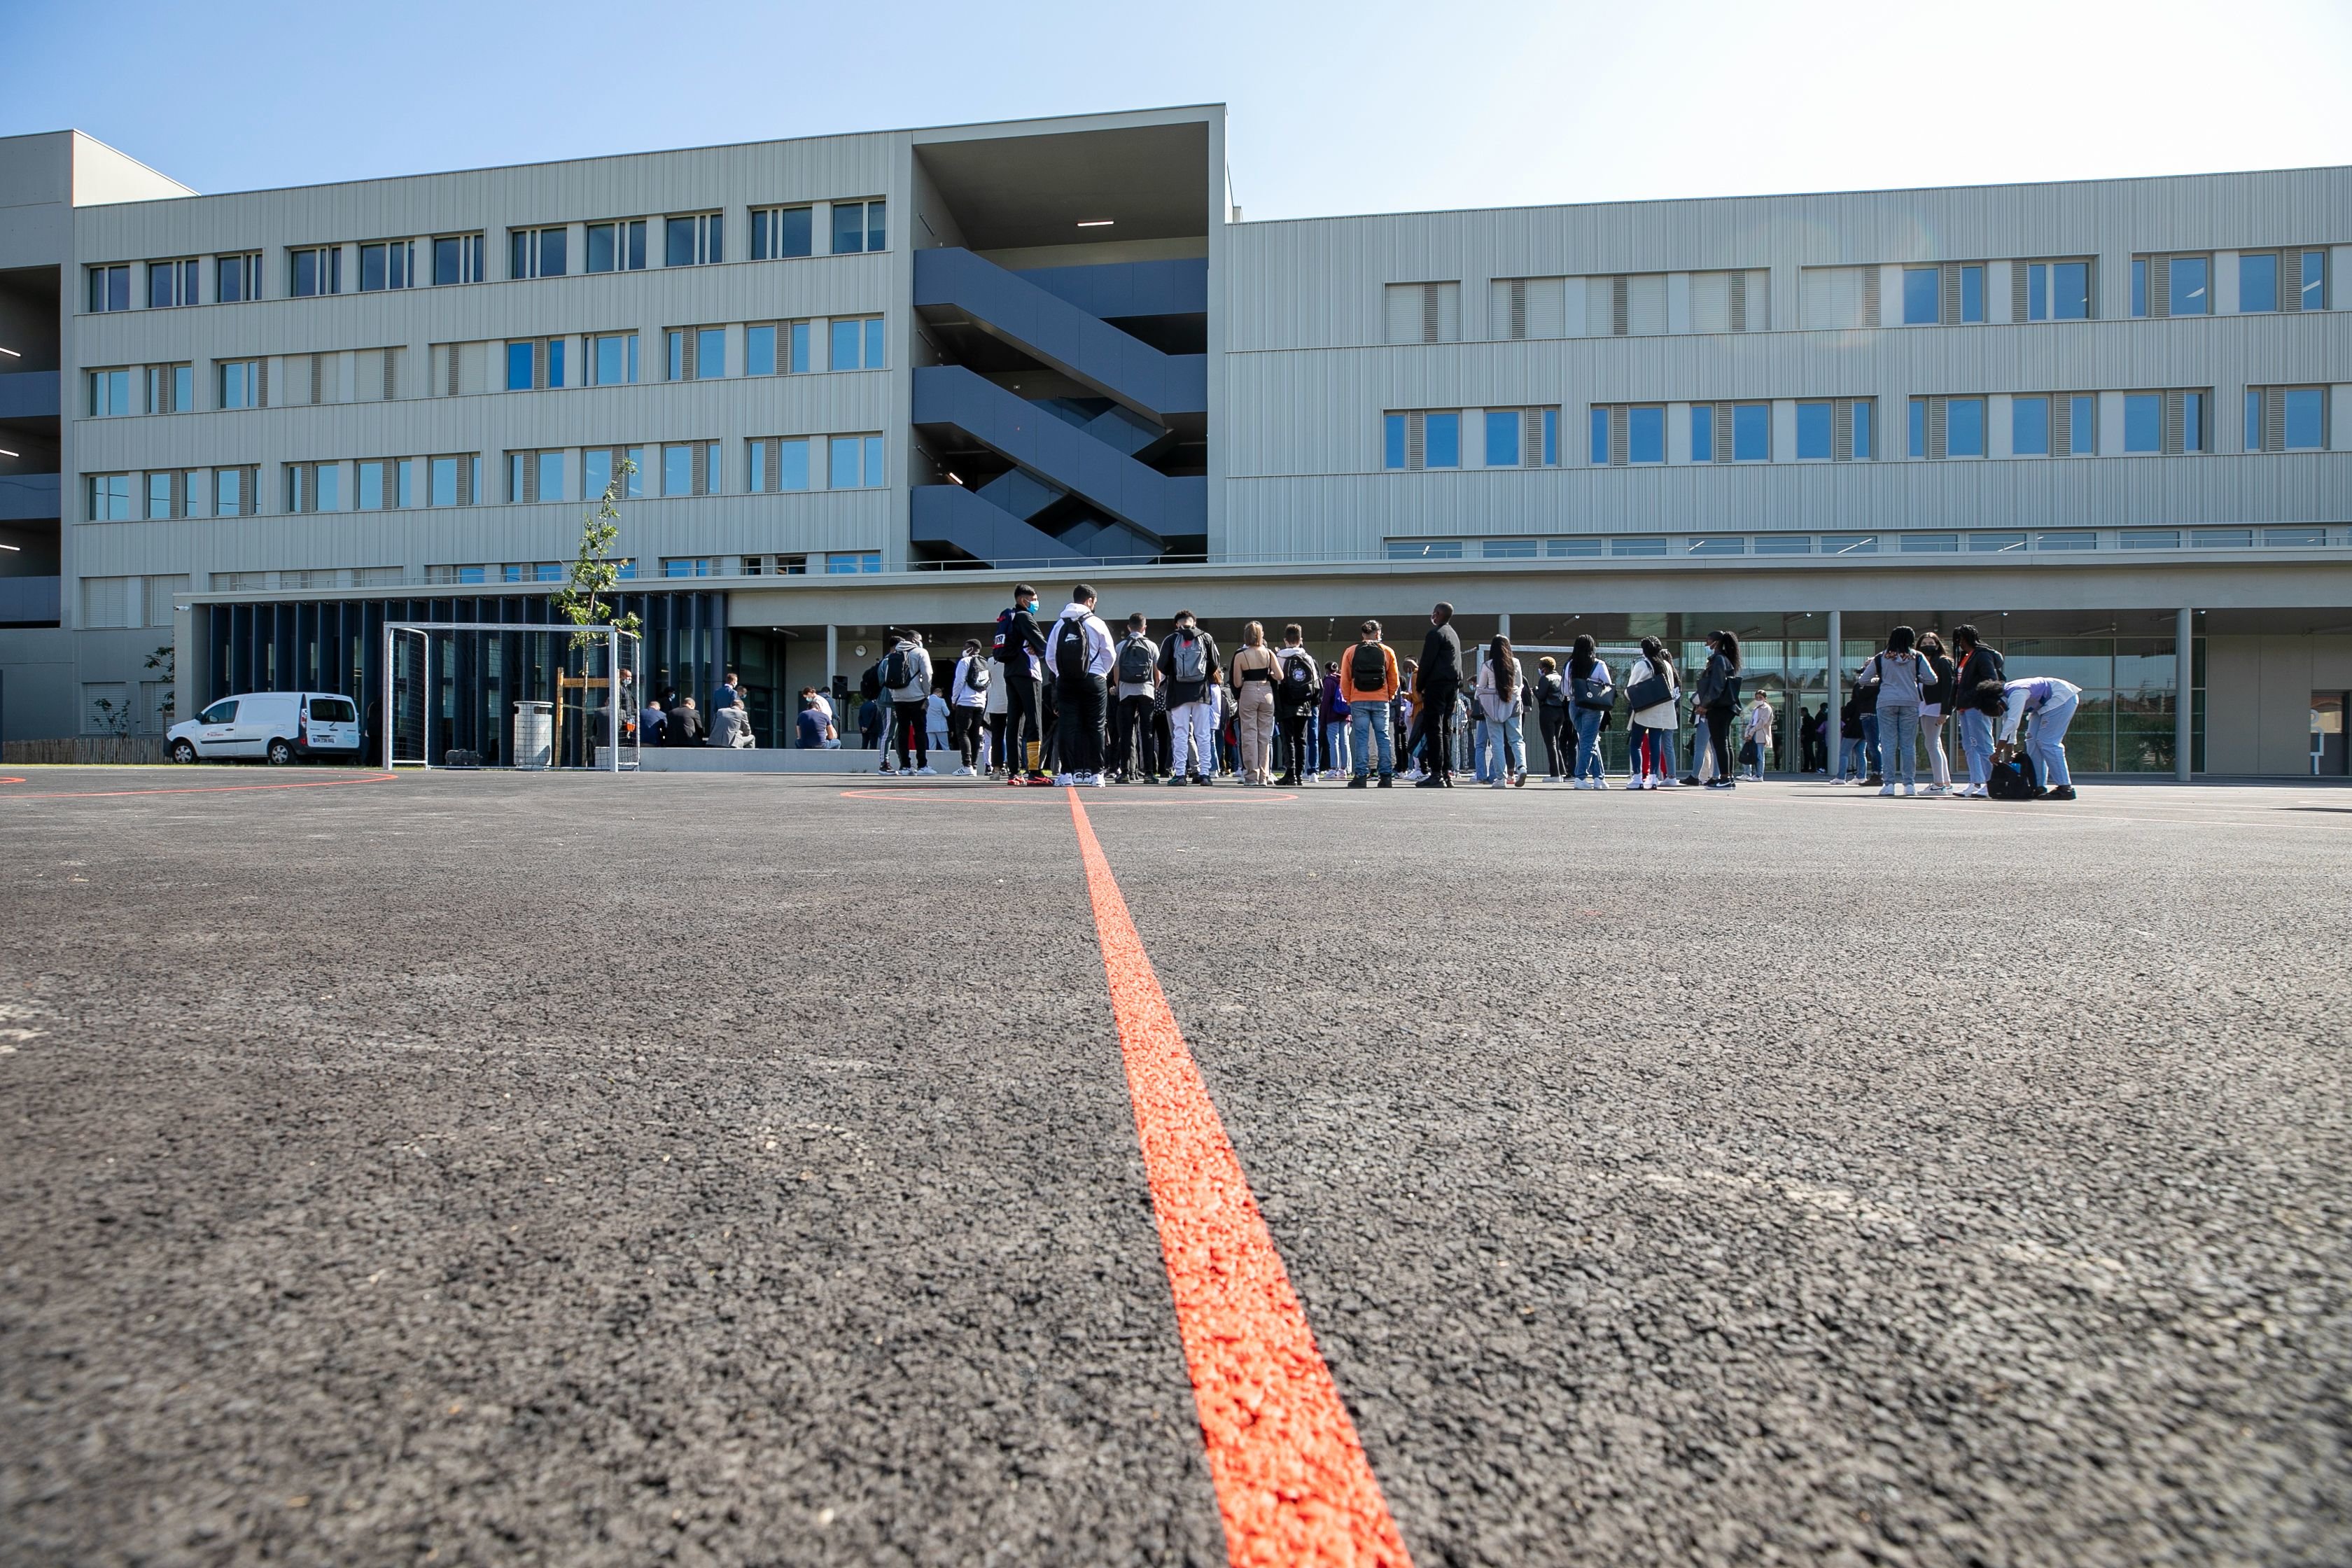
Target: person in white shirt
column 998, row 703
column 967, row 716
column 1758, row 736
column 1590, row 695
column 1079, row 660
column 935, row 722
column 2052, row 702
column 1652, row 731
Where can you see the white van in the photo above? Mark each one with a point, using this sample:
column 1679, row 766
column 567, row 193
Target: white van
column 278, row 725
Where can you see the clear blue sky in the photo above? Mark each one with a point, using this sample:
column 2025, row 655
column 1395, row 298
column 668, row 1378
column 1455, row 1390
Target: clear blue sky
column 1365, row 107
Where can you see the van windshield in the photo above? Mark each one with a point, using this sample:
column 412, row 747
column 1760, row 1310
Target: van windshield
column 218, row 713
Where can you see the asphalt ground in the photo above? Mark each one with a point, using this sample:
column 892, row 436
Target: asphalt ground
column 571, row 1170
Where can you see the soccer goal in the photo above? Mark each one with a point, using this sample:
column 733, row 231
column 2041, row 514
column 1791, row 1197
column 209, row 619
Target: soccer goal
column 466, row 694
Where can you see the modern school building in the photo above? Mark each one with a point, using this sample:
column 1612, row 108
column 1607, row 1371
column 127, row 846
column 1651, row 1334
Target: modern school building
column 874, row 379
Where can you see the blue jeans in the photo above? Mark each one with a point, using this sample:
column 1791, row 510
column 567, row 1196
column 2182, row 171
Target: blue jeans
column 1851, row 764
column 2046, row 741
column 1869, row 747
column 1898, row 724
column 1588, row 744
column 1976, row 739
column 1508, row 736
column 1478, row 750
column 1362, row 730
column 1700, row 743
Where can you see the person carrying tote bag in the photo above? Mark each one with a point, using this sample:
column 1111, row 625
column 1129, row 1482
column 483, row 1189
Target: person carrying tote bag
column 1651, row 693
column 1592, row 697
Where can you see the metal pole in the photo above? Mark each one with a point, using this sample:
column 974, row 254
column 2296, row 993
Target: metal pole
column 613, row 674
column 1831, row 743
column 386, row 719
column 2184, row 696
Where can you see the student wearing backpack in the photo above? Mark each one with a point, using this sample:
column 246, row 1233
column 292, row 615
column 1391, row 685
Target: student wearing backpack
column 1015, row 647
column 1502, row 702
column 1551, row 718
column 1335, row 723
column 1188, row 673
column 1718, row 692
column 1976, row 665
column 906, row 680
column 2052, row 703
column 1078, row 658
column 1900, row 675
column 1134, row 741
column 1298, row 692
column 1436, row 691
column 1592, row 695
column 967, row 707
column 1252, row 676
column 1369, row 671
column 1654, row 693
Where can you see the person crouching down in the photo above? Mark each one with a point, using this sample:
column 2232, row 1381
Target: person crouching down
column 2052, row 703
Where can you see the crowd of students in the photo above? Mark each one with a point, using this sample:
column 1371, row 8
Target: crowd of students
column 1067, row 700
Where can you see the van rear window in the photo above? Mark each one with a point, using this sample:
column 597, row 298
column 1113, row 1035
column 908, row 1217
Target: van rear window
column 331, row 711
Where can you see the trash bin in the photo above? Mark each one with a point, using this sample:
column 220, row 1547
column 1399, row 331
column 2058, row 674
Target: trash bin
column 534, row 734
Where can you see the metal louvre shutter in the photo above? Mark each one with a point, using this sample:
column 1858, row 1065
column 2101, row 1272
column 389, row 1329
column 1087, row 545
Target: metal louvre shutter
column 1870, row 304
column 1431, row 318
column 1841, row 430
column 2159, row 286
column 1546, row 307
column 2062, row 424
column 1646, row 304
column 1760, row 300
column 2291, row 279
column 1531, row 437
column 1518, row 309
column 1619, row 309
column 2273, row 418
column 1935, row 427
column 1710, row 301
column 1402, row 313
column 1416, row 440
column 451, row 351
column 1947, row 295
column 1737, row 309
column 390, row 375
column 2018, row 302
column 2175, row 419
column 1620, row 448
column 1719, row 432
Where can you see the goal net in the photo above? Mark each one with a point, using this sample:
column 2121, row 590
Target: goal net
column 483, row 695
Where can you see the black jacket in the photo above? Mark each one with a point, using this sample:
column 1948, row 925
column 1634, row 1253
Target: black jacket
column 1441, row 660
column 684, row 728
column 1713, row 683
column 1980, row 664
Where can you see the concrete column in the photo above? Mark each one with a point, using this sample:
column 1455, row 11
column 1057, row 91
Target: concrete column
column 832, row 656
column 2184, row 725
column 1503, row 624
column 1836, row 688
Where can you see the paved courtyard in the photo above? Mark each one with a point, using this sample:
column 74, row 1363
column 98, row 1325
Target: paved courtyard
column 485, row 1169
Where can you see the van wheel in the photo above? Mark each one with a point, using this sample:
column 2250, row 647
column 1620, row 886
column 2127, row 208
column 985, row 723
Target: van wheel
column 281, row 751
column 184, row 752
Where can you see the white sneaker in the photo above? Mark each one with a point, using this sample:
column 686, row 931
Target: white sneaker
column 1910, row 790
column 1499, row 783
column 1064, row 780
column 1095, row 780
column 927, row 770
column 1886, row 789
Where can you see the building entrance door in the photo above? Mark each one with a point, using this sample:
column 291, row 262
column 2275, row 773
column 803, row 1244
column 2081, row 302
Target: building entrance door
column 2327, row 748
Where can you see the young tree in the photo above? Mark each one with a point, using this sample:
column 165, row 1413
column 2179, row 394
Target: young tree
column 597, row 573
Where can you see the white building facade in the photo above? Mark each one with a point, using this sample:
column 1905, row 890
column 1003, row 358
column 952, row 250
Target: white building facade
column 873, row 379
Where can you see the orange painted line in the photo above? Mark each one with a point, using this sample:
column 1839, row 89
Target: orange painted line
column 195, row 789
column 1293, row 1483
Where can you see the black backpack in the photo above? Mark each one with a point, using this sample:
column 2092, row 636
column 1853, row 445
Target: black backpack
column 1070, row 651
column 1135, row 659
column 975, row 674
column 1368, row 668
column 869, row 685
column 894, row 671
column 1299, row 685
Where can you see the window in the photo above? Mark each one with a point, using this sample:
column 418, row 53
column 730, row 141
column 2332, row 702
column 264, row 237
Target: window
column 1718, row 545
column 1948, row 295
column 778, row 232
column 535, row 363
column 532, row 571
column 760, row 346
column 1508, row 549
column 107, row 498
column 2067, row 538
column 849, row 561
column 1424, row 550
column 534, row 476
column 1634, row 306
column 243, row 383
column 1523, row 308
column 777, row 464
column 317, row 269
column 1522, row 437
column 1837, row 430
column 314, row 487
column 535, row 253
column 1623, row 432
column 1424, row 438
column 1995, row 544
column 2029, row 426
column 612, row 360
column 109, row 394
column 2306, row 289
column 689, row 468
column 694, row 241
column 1423, row 313
column 2050, row 425
column 1730, row 301
column 457, row 259
column 2287, row 418
column 2221, row 538
column 857, row 344
column 1929, row 543
column 171, row 388
column 2294, row 538
column 2050, row 290
column 2164, row 422
column 2258, row 281
column 1646, row 546
column 236, row 492
column 686, row 566
column 387, row 483
column 237, row 278
column 1839, row 298
column 110, row 288
column 453, row 481
column 857, row 462
column 1730, row 433
column 160, row 487
column 2149, row 538
column 600, row 464
column 170, row 283
column 1947, row 427
column 387, row 264
column 697, row 353
column 857, row 226
column 2171, row 286
column 2282, row 280
column 617, row 247
column 1849, row 544
column 1784, row 544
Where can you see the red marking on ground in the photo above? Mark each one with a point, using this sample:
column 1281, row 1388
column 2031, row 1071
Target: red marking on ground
column 1293, row 1483
column 195, row 789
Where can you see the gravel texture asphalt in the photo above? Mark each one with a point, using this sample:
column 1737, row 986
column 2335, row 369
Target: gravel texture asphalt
column 570, row 1170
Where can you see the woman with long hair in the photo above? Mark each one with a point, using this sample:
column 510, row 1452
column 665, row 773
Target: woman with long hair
column 1654, row 691
column 1253, row 678
column 1719, row 691
column 1591, row 697
column 1502, row 702
column 1934, row 704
